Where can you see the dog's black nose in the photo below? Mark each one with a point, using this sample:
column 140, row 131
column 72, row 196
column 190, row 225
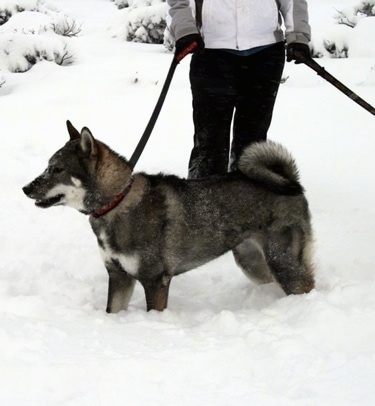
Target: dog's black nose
column 27, row 189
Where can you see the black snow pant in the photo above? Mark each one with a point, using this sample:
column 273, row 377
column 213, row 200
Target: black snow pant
column 223, row 83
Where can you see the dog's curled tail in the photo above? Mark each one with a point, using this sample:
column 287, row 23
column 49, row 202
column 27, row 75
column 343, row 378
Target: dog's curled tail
column 270, row 165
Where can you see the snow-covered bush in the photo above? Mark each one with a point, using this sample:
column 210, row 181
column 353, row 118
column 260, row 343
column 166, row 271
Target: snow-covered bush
column 33, row 32
column 141, row 21
column 352, row 15
column 352, row 35
column 8, row 8
column 168, row 41
column 333, row 43
column 121, row 3
column 19, row 52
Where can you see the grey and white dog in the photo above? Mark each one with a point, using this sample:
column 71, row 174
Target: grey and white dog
column 152, row 227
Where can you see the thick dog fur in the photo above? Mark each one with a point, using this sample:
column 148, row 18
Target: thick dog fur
column 162, row 226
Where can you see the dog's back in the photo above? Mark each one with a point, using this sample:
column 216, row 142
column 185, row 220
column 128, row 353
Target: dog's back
column 198, row 220
column 260, row 213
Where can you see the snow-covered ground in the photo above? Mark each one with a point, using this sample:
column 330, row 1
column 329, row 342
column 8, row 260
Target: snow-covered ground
column 222, row 341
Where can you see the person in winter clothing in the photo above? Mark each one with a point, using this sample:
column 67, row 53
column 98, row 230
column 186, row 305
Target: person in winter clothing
column 238, row 57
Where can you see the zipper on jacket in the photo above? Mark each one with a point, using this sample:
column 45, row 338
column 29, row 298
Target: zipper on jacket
column 198, row 13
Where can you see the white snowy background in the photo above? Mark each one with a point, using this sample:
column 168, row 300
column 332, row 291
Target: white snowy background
column 223, row 340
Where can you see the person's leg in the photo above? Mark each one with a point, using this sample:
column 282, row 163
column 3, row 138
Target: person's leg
column 211, row 78
column 259, row 77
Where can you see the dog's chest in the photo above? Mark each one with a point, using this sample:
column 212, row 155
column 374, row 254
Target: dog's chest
column 128, row 263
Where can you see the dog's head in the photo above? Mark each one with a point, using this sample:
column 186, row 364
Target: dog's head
column 67, row 177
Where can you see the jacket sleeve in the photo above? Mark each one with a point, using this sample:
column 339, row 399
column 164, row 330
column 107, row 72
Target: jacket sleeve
column 182, row 20
column 296, row 19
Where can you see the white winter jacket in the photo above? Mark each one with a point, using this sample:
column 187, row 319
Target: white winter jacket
column 240, row 24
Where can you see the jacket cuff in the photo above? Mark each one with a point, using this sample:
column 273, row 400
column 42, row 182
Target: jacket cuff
column 186, row 31
column 297, row 37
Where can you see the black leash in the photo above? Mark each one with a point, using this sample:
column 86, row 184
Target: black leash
column 331, row 79
column 155, row 114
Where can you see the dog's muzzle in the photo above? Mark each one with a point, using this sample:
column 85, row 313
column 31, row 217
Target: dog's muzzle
column 30, row 191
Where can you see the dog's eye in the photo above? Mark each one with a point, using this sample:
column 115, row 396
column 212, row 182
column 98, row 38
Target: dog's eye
column 55, row 169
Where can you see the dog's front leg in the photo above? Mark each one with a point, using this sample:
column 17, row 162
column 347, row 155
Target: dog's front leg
column 120, row 290
column 156, row 292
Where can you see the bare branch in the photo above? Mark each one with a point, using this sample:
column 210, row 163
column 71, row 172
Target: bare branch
column 64, row 59
column 67, row 27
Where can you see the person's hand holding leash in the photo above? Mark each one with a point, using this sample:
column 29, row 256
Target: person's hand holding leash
column 295, row 48
column 188, row 45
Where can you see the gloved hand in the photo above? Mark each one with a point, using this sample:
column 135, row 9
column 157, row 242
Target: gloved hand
column 188, row 45
column 294, row 47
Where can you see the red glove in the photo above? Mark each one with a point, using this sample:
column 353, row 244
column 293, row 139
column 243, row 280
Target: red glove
column 188, row 45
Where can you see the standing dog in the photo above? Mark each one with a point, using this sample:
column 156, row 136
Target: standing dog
column 152, row 227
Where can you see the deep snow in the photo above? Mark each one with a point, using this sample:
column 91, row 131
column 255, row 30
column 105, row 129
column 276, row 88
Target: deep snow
column 223, row 340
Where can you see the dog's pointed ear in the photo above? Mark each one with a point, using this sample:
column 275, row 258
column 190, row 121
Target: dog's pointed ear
column 73, row 132
column 88, row 142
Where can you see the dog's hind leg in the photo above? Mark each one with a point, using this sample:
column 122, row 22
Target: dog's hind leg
column 250, row 258
column 156, row 292
column 120, row 289
column 288, row 255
